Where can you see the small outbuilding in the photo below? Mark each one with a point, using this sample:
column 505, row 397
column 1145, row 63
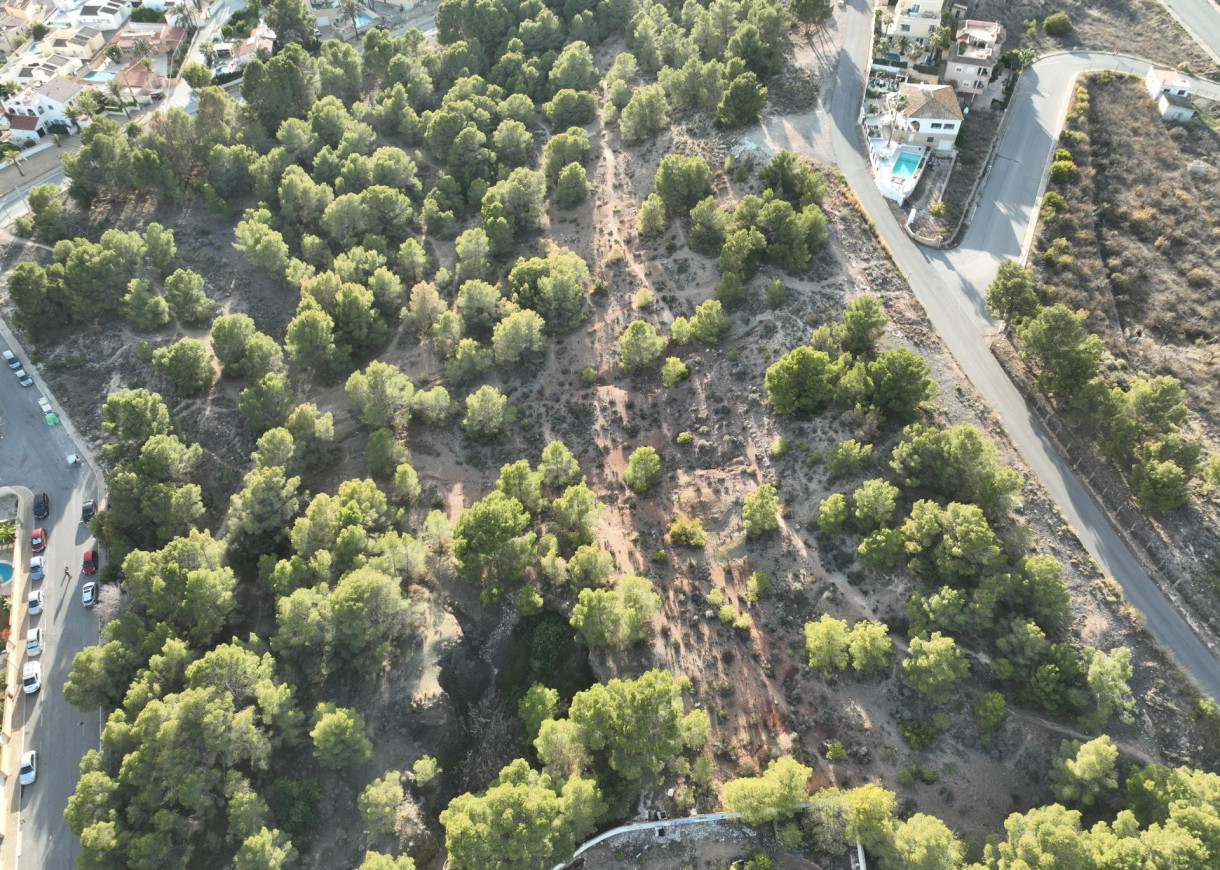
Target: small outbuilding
column 1176, row 109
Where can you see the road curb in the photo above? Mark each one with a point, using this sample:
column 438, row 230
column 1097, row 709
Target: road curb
column 1194, row 37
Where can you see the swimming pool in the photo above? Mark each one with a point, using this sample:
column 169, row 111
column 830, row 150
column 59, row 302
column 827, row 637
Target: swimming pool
column 363, row 20
column 97, row 76
column 906, row 164
column 6, row 572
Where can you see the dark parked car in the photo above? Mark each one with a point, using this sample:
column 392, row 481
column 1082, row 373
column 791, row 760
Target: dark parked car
column 42, row 506
column 90, row 563
column 87, row 510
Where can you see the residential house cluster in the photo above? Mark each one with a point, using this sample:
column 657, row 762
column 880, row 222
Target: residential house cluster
column 930, row 63
column 51, row 72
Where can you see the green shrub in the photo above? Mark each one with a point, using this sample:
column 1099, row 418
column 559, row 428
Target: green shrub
column 777, row 294
column 847, row 457
column 757, row 586
column 917, row 733
column 1057, row 24
column 1062, row 171
column 688, row 533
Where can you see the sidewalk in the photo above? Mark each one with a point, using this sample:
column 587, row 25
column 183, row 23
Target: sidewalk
column 13, row 178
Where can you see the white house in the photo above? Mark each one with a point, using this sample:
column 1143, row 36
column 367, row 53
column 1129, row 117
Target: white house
column 973, row 55
column 931, row 116
column 1166, row 81
column 49, row 99
column 917, row 20
column 32, row 110
column 104, row 14
column 1175, row 108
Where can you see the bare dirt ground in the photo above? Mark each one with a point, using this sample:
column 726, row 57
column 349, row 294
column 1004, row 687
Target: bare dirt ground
column 763, row 700
column 1142, row 223
column 1139, row 27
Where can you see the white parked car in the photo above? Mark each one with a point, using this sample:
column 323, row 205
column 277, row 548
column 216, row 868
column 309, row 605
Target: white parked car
column 88, row 594
column 31, row 677
column 29, row 767
column 38, row 567
column 33, row 642
column 35, row 602
column 10, row 359
column 24, row 378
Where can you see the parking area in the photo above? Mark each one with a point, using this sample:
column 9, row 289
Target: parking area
column 49, row 624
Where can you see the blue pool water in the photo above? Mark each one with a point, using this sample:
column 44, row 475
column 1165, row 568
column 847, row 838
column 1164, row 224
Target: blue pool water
column 98, row 76
column 6, row 572
column 906, row 164
column 363, row 20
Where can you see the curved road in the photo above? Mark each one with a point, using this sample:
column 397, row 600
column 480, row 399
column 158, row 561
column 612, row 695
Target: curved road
column 950, row 284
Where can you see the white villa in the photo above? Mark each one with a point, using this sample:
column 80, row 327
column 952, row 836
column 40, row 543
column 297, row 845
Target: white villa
column 911, row 125
column 33, row 109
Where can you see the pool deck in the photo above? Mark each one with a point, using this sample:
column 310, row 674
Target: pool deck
column 886, row 157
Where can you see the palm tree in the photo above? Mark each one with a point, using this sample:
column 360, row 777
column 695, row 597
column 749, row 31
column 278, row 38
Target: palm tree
column 142, row 47
column 89, row 102
column 185, row 16
column 116, row 88
column 74, row 113
column 113, row 52
column 898, row 105
column 350, row 8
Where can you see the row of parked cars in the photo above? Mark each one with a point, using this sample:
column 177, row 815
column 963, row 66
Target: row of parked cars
column 23, row 377
column 35, row 640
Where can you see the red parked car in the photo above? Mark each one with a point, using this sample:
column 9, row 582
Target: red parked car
column 38, row 540
column 90, row 561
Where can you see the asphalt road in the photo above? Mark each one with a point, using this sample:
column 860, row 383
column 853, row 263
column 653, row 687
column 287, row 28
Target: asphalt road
column 1202, row 20
column 951, row 284
column 34, row 455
